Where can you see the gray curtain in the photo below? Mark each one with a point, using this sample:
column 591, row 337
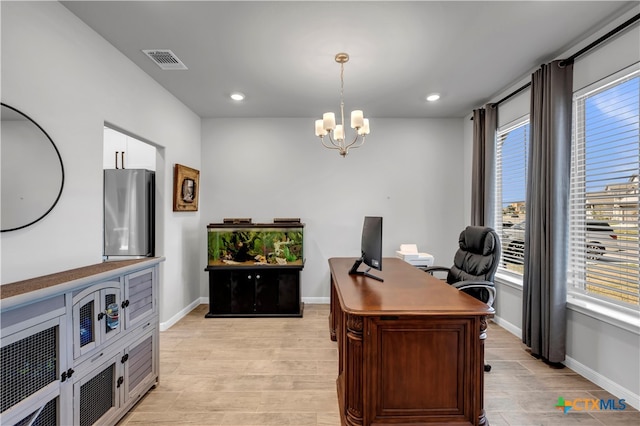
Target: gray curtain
column 478, row 168
column 546, row 229
column 485, row 121
column 490, row 127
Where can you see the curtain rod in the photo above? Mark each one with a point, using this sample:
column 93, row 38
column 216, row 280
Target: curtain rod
column 578, row 53
column 510, row 95
column 611, row 33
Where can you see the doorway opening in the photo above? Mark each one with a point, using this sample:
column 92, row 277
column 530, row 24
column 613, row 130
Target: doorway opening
column 132, row 196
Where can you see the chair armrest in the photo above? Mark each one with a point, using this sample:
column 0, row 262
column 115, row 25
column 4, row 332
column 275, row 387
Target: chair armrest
column 432, row 269
column 486, row 285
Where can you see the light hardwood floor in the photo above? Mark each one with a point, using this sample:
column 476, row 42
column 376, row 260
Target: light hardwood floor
column 282, row 371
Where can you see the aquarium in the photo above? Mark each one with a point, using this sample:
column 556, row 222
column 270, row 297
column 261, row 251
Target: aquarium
column 250, row 244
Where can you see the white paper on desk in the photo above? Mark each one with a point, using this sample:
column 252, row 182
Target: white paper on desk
column 409, row 248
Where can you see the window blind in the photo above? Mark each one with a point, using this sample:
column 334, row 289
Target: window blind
column 603, row 224
column 512, row 153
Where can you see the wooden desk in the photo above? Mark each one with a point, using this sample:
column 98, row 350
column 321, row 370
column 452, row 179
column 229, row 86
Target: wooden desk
column 411, row 348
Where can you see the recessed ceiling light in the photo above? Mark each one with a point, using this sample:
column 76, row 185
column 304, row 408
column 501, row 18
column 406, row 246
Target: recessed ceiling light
column 433, row 97
column 237, row 96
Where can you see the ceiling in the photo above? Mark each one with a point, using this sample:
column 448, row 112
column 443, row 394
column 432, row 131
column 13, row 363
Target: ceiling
column 281, row 54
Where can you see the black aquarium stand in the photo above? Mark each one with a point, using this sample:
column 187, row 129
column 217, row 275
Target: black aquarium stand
column 254, row 291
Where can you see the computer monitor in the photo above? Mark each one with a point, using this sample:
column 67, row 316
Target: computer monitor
column 371, row 247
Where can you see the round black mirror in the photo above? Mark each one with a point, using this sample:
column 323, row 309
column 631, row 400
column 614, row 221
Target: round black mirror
column 32, row 174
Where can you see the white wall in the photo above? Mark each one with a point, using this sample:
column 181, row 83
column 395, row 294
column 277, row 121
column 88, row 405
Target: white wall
column 602, row 351
column 71, row 81
column 409, row 171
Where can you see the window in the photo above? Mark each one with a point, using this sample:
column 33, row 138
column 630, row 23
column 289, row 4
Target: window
column 512, row 152
column 603, row 243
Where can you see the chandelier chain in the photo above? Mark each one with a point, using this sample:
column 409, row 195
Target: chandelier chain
column 342, row 95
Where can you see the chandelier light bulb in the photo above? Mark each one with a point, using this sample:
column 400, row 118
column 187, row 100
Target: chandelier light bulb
column 320, row 131
column 365, row 127
column 329, row 120
column 357, row 119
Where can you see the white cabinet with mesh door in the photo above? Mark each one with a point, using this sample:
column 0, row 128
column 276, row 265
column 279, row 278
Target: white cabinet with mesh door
column 79, row 351
column 33, row 363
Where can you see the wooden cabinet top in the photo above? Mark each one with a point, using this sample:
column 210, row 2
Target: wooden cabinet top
column 406, row 290
column 250, row 225
column 49, row 283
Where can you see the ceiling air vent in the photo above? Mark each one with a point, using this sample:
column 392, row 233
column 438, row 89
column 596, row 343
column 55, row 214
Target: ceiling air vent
column 165, row 59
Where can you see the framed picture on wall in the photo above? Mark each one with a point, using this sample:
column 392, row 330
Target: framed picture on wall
column 186, row 182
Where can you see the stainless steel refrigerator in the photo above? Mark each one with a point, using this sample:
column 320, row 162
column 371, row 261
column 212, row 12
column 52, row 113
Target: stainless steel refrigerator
column 129, row 213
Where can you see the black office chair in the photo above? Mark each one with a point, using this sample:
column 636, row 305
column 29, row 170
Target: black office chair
column 474, row 265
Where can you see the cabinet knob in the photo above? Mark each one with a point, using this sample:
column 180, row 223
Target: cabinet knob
column 120, row 381
column 100, row 316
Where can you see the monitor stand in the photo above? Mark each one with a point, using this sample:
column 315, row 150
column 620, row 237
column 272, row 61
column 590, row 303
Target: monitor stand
column 354, row 271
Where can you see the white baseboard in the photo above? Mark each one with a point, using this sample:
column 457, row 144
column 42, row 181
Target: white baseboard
column 177, row 317
column 604, row 382
column 516, row 331
column 316, row 300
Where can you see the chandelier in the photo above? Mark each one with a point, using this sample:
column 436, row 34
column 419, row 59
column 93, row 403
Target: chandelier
column 336, row 132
